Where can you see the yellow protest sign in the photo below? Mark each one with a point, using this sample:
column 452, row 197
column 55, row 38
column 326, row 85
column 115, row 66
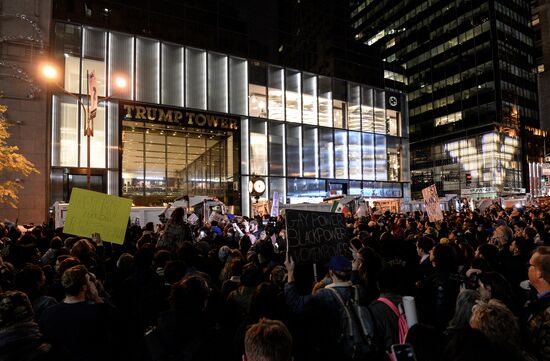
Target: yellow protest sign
column 93, row 212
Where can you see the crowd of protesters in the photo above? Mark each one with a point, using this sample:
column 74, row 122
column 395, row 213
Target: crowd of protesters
column 229, row 291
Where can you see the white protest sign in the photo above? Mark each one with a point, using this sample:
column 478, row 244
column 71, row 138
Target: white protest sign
column 192, row 218
column 431, row 200
column 275, row 206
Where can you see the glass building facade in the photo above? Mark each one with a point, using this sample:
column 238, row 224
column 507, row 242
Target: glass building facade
column 196, row 122
column 467, row 67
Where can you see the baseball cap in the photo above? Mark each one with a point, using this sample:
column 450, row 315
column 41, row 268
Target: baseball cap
column 339, row 264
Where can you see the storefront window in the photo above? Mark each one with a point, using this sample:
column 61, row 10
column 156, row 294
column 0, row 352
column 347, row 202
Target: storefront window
column 293, row 150
column 381, row 157
column 276, row 149
column 258, row 147
column 238, row 84
column 367, row 109
column 394, row 158
column 147, row 70
column 97, row 142
column 65, row 131
column 341, row 154
column 354, row 155
column 310, row 164
column 326, row 152
column 121, row 62
column 368, row 156
column 339, row 102
column 392, row 122
column 379, row 112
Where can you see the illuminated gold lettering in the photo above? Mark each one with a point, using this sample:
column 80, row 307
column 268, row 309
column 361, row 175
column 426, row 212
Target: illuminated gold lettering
column 151, row 113
column 225, row 124
column 212, row 121
column 140, row 112
column 200, row 120
column 190, row 117
column 178, row 116
column 129, row 109
column 165, row 116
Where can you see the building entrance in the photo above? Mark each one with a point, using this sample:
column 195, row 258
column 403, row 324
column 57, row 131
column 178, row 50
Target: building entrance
column 161, row 162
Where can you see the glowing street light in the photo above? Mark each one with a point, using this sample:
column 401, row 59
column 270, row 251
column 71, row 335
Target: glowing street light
column 50, row 73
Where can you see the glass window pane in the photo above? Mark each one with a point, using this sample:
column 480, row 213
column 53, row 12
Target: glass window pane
column 72, row 74
column 310, row 148
column 121, row 62
column 245, row 148
column 258, row 147
column 368, row 156
column 341, row 153
column 217, row 82
column 172, row 75
column 238, row 83
column 293, row 151
column 113, row 134
column 392, row 122
column 133, row 162
column 379, row 112
column 275, row 92
column 326, row 152
column 355, row 155
column 367, row 109
column 394, row 158
column 147, row 70
column 325, row 101
column 309, row 99
column 278, row 185
column 257, row 90
column 155, row 163
column 97, row 141
column 195, row 78
column 354, row 107
column 64, row 131
column 381, row 158
column 293, row 96
column 99, row 68
column 340, row 98
column 276, row 149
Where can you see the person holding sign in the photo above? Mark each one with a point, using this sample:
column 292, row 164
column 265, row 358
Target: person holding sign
column 177, row 231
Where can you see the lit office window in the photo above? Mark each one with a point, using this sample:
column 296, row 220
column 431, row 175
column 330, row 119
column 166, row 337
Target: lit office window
column 354, row 106
column 147, row 70
column 367, row 109
column 275, row 80
column 238, row 86
column 121, row 62
column 217, row 82
column 257, row 91
column 325, row 101
column 172, row 75
column 195, row 78
column 309, row 98
column 293, row 96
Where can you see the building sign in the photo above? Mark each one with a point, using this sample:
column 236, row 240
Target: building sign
column 179, row 116
column 393, row 100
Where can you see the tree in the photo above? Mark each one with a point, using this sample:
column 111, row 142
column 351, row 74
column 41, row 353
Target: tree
column 11, row 162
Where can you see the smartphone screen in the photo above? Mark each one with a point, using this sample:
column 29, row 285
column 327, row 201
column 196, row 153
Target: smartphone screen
column 403, row 352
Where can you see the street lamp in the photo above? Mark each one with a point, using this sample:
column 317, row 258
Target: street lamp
column 50, row 72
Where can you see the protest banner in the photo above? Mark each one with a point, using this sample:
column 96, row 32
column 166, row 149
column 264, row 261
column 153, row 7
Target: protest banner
column 93, row 212
column 314, row 237
column 275, row 205
column 431, row 200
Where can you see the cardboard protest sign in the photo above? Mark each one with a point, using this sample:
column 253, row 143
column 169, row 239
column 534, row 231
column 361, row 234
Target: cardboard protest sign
column 192, row 218
column 93, row 212
column 314, row 237
column 431, row 200
column 215, row 216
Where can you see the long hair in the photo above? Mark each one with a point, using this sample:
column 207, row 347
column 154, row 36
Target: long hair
column 177, row 216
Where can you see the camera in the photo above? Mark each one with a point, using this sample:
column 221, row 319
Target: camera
column 471, row 282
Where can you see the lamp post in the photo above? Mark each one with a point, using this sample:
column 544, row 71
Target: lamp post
column 50, row 72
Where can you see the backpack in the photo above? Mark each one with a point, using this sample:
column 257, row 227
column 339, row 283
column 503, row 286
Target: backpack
column 402, row 319
column 357, row 327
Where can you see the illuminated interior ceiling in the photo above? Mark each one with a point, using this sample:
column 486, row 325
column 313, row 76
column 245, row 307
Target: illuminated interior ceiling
column 498, row 152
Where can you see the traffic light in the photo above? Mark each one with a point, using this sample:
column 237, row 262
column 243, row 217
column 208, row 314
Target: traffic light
column 468, row 178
